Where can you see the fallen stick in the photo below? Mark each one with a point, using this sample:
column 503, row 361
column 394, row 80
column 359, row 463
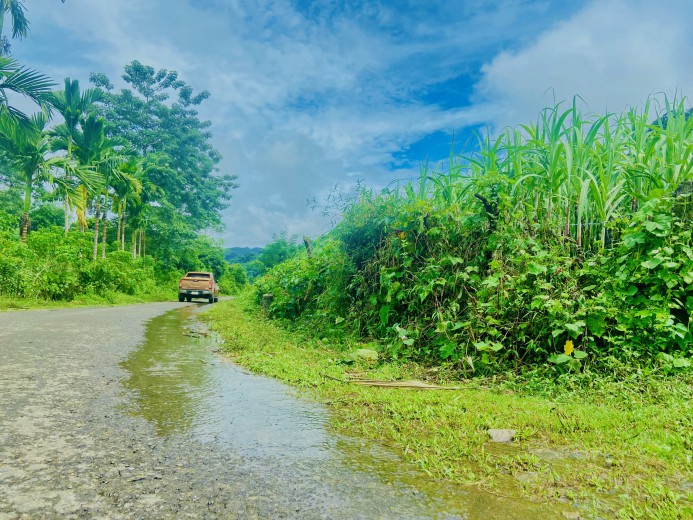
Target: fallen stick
column 418, row 385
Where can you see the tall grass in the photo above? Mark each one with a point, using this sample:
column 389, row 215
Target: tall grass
column 570, row 175
column 572, row 232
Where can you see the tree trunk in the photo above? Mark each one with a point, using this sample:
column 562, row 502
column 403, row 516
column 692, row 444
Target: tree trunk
column 25, row 226
column 67, row 215
column 134, row 245
column 103, row 234
column 125, row 220
column 96, row 227
column 104, row 219
column 27, row 206
column 120, row 223
column 67, row 178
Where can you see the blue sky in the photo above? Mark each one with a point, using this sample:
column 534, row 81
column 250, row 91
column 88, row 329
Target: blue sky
column 311, row 95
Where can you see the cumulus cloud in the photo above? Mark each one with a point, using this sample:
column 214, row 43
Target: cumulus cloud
column 307, row 96
column 613, row 54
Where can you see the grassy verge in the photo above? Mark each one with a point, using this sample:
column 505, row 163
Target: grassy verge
column 609, row 446
column 86, row 300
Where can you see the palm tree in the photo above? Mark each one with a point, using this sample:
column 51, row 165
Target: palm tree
column 27, row 148
column 126, row 187
column 24, row 81
column 112, row 174
column 73, row 106
column 98, row 153
column 20, row 24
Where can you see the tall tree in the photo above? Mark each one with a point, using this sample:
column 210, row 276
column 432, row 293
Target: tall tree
column 126, row 188
column 28, row 149
column 73, row 105
column 99, row 153
column 183, row 193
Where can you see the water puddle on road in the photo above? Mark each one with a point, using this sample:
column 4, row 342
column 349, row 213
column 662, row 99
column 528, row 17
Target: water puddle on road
column 181, row 386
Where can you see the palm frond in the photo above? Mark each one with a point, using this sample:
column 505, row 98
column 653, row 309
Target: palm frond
column 20, row 24
column 25, row 81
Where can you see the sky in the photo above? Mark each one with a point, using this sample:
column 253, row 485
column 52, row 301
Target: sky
column 310, row 98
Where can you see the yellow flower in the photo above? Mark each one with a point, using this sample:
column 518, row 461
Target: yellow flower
column 402, row 235
column 568, row 348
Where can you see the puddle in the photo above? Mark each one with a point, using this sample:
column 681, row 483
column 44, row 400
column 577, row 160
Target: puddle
column 181, row 386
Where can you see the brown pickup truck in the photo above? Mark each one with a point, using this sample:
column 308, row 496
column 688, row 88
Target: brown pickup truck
column 198, row 285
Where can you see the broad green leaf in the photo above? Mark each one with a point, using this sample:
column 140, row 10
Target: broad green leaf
column 536, row 269
column 561, row 358
column 651, row 263
column 384, row 313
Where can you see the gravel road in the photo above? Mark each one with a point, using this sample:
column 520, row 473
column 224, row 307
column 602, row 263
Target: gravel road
column 69, row 450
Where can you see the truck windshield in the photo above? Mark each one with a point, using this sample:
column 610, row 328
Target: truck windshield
column 197, row 275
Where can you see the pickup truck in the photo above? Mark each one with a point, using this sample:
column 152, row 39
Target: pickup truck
column 196, row 284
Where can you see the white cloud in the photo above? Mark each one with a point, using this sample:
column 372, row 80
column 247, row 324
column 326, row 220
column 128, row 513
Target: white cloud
column 308, row 97
column 613, row 54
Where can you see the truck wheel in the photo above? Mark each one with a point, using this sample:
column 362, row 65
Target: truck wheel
column 211, row 299
column 181, row 297
column 188, row 298
column 216, row 299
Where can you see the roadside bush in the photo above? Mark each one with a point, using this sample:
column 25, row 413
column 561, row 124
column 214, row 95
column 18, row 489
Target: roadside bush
column 53, row 266
column 311, row 286
column 234, row 279
column 566, row 242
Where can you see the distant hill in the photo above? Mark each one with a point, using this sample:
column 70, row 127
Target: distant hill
column 241, row 255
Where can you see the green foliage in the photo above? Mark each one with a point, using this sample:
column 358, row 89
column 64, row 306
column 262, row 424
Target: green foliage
column 280, row 249
column 566, row 243
column 54, row 266
column 139, row 173
column 241, row 255
column 182, row 191
column 234, row 279
column 309, row 285
column 257, row 261
column 45, row 216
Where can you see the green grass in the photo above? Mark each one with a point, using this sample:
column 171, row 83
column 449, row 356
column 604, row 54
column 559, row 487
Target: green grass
column 8, row 303
column 617, row 446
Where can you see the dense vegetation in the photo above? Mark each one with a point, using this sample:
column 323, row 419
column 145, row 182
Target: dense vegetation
column 256, row 261
column 566, row 241
column 130, row 177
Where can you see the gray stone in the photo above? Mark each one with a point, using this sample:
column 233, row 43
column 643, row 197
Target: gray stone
column 499, row 435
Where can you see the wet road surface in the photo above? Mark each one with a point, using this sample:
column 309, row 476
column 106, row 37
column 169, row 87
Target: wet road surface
column 128, row 412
